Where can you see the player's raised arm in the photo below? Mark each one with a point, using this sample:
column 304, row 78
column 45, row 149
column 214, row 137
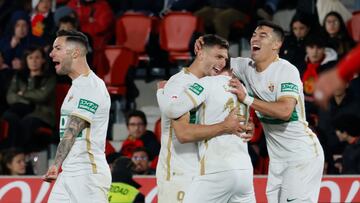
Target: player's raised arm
column 73, row 127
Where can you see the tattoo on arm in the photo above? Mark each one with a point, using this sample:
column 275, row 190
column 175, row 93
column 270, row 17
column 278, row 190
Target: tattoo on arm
column 73, row 127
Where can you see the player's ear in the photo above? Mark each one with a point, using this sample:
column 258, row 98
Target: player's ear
column 277, row 44
column 75, row 53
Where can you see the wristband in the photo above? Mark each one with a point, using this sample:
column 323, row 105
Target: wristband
column 248, row 100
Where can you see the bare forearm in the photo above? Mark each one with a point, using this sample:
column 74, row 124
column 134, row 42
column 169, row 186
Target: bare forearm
column 63, row 150
column 73, row 127
column 277, row 110
column 195, row 133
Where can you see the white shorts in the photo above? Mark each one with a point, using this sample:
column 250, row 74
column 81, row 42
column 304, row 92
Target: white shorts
column 228, row 186
column 295, row 182
column 84, row 188
column 172, row 191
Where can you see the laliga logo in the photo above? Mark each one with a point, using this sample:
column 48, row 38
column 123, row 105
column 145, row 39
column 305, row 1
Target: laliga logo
column 336, row 193
column 25, row 190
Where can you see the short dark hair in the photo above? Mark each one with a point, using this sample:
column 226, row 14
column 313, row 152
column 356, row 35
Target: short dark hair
column 347, row 123
column 74, row 36
column 211, row 40
column 68, row 19
column 276, row 28
column 136, row 113
column 315, row 39
column 142, row 149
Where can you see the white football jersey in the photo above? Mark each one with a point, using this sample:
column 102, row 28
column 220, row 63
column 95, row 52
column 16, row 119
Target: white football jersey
column 176, row 159
column 88, row 99
column 290, row 140
column 228, row 151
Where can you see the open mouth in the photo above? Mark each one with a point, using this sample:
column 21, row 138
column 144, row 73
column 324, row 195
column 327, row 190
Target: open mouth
column 255, row 48
column 216, row 70
column 57, row 64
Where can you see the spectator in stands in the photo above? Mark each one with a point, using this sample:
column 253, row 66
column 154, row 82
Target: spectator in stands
column 140, row 157
column 42, row 20
column 318, row 59
column 122, row 180
column 17, row 39
column 7, row 7
column 62, row 12
column 338, row 36
column 147, row 7
column 324, row 7
column 68, row 23
column 180, row 5
column 5, row 78
column 348, row 130
column 12, row 162
column 31, row 97
column 97, row 20
column 222, row 14
column 111, row 158
column 293, row 48
column 343, row 102
column 267, row 11
column 138, row 136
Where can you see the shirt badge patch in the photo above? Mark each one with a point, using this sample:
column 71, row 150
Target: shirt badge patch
column 271, row 87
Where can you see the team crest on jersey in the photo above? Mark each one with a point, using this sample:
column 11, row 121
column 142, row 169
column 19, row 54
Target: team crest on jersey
column 271, row 87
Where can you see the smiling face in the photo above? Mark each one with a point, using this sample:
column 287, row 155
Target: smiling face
column 214, row 59
column 61, row 56
column 264, row 44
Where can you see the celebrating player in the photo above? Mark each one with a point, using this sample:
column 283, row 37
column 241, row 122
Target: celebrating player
column 85, row 175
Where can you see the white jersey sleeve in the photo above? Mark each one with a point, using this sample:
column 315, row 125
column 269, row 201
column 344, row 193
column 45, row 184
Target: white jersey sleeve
column 289, row 84
column 174, row 107
column 87, row 104
column 198, row 91
column 239, row 65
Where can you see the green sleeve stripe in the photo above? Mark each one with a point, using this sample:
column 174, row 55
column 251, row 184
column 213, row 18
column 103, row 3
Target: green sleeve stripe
column 269, row 120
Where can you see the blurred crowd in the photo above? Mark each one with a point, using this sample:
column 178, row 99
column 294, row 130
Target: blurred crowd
column 319, row 36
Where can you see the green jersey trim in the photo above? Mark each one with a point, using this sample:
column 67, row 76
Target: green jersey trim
column 268, row 120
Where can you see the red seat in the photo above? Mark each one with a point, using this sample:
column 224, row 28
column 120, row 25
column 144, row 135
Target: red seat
column 4, row 129
column 157, row 130
column 176, row 30
column 120, row 59
column 354, row 26
column 133, row 32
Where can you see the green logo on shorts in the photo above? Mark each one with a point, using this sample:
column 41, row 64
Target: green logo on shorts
column 196, row 88
column 88, row 105
column 289, row 87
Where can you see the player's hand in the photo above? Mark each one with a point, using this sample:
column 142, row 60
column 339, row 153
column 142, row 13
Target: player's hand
column 51, row 174
column 325, row 86
column 232, row 123
column 237, row 89
column 198, row 44
column 249, row 131
column 161, row 84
